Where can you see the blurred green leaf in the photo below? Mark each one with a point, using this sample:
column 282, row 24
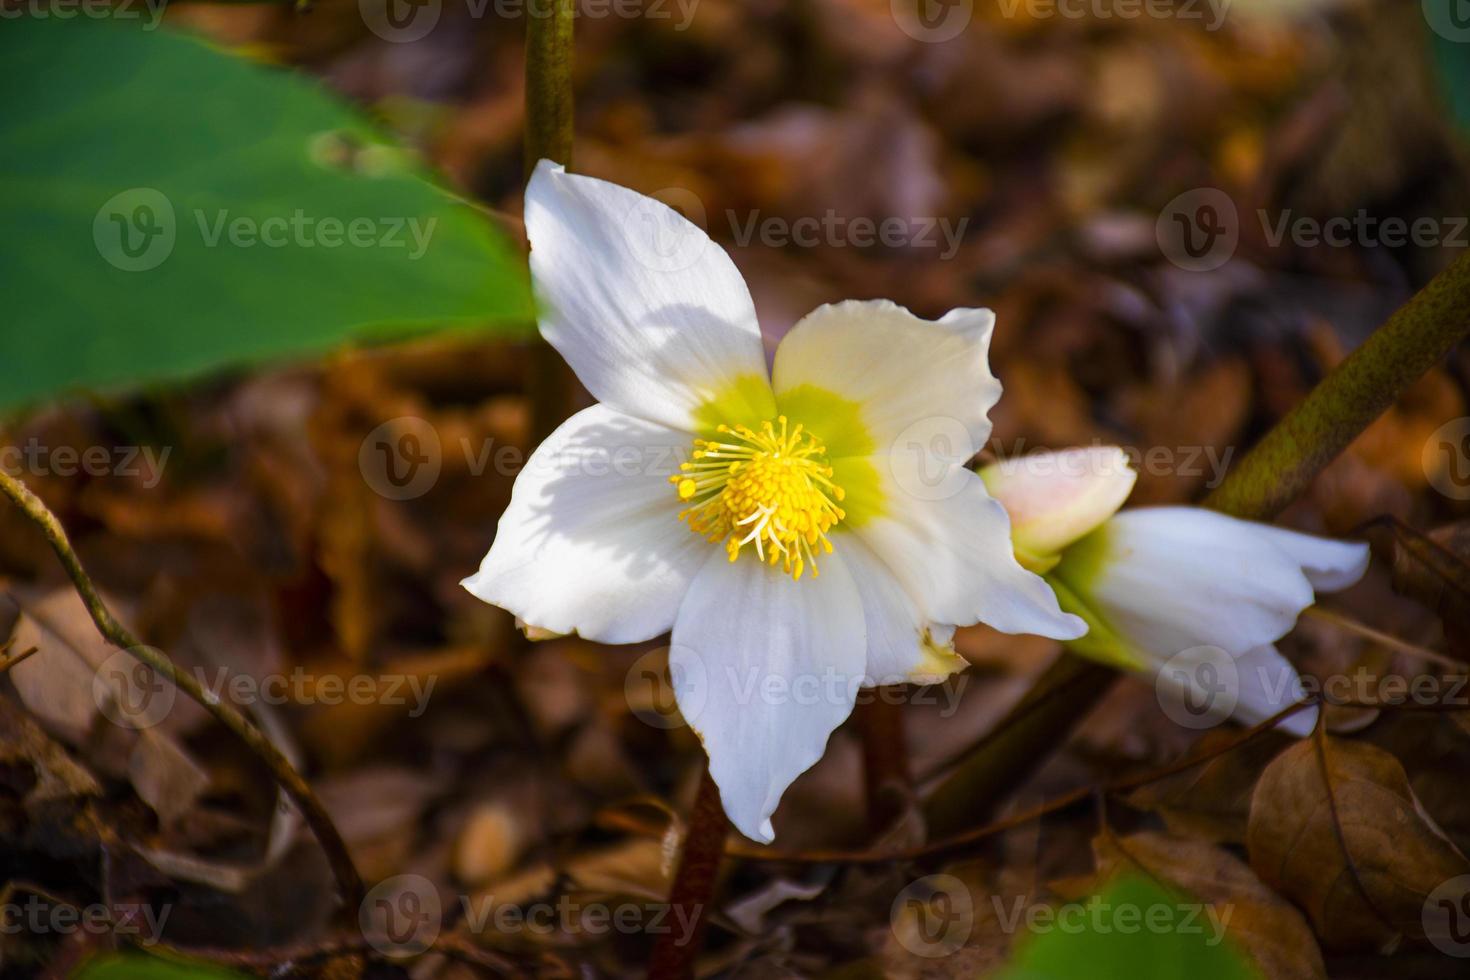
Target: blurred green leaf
column 137, row 966
column 1135, row 930
column 170, row 209
column 1452, row 59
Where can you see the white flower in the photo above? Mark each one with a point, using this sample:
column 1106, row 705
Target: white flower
column 1179, row 594
column 796, row 553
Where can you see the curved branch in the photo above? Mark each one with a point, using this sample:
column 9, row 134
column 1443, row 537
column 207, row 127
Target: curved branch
column 349, row 883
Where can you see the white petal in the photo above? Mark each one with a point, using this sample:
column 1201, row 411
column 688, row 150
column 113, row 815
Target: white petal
column 1057, row 497
column 953, row 554
column 1329, row 565
column 591, row 542
column 902, row 646
column 1268, row 684
column 764, row 669
column 1171, row 578
column 651, row 314
column 914, row 380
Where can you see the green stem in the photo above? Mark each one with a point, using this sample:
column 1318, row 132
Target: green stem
column 1271, row 475
column 349, row 883
column 548, row 137
column 1361, row 388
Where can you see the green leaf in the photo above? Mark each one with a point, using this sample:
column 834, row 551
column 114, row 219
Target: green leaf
column 1135, row 930
column 137, row 966
column 170, row 209
column 1449, row 39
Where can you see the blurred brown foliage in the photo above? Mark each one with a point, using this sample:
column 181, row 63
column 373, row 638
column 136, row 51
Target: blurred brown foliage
column 263, row 548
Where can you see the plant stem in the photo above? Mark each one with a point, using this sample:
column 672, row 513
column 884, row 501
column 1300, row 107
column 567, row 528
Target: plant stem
column 887, row 781
column 1271, row 475
column 1043, row 718
column 548, row 137
column 549, row 85
column 694, row 885
column 349, row 883
column 1414, row 339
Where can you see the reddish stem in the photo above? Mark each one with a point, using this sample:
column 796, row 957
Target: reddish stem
column 887, row 782
column 675, row 952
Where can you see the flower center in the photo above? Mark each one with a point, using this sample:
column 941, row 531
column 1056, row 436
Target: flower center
column 772, row 489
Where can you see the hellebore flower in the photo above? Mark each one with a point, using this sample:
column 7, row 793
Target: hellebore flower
column 794, row 553
column 1188, row 597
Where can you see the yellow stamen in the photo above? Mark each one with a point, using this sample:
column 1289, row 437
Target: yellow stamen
column 771, row 489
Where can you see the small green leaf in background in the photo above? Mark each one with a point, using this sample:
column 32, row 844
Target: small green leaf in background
column 1449, row 39
column 1117, row 942
column 137, row 966
column 170, row 209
